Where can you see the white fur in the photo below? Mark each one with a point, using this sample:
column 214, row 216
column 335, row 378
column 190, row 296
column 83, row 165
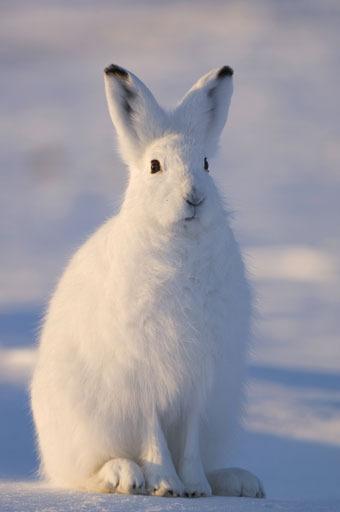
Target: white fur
column 138, row 386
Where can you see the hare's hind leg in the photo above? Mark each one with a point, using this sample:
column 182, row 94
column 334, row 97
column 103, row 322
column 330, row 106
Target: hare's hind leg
column 235, row 482
column 118, row 475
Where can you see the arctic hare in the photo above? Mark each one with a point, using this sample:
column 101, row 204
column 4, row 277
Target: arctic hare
column 138, row 385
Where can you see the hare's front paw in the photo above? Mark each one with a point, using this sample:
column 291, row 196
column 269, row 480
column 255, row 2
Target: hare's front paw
column 195, row 483
column 121, row 475
column 197, row 489
column 160, row 481
column 235, row 482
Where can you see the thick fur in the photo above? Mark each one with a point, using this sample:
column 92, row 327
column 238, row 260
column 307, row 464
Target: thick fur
column 139, row 381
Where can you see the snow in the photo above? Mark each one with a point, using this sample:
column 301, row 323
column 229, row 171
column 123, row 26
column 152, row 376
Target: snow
column 278, row 166
column 25, row 497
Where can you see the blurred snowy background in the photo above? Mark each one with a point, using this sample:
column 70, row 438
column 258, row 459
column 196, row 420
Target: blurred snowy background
column 279, row 166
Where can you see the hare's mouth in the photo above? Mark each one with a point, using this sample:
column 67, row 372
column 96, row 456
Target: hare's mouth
column 193, row 208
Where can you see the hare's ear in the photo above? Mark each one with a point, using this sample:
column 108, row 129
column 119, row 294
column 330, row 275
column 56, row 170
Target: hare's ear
column 203, row 110
column 134, row 111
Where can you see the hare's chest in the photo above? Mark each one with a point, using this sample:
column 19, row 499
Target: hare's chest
column 165, row 318
column 178, row 295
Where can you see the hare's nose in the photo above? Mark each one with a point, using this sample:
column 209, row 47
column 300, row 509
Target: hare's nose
column 194, row 199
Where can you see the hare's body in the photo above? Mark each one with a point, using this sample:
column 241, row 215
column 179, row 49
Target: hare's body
column 141, row 365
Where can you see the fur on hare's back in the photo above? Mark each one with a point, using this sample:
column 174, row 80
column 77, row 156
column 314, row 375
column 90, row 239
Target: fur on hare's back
column 150, row 321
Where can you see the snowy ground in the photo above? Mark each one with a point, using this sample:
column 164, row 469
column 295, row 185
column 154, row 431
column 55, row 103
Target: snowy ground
column 278, row 164
column 25, row 497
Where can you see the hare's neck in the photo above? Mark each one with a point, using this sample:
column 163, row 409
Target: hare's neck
column 175, row 247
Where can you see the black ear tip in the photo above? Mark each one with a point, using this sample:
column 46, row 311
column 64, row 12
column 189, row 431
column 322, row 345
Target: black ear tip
column 225, row 71
column 116, row 71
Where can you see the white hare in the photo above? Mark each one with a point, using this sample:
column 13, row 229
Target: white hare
column 138, row 385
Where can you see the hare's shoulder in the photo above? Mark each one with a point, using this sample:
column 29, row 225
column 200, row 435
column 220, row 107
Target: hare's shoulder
column 93, row 258
column 98, row 245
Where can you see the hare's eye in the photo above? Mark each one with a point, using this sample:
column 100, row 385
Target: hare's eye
column 155, row 166
column 206, row 164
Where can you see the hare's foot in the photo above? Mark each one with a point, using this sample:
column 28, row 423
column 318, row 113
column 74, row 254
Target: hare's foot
column 118, row 475
column 162, row 480
column 235, row 482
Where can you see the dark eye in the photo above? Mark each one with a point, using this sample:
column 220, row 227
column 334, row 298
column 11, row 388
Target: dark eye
column 155, row 166
column 206, row 164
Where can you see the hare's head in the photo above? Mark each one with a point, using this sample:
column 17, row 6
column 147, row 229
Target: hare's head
column 168, row 152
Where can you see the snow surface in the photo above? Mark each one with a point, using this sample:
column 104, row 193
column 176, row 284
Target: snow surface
column 278, row 166
column 25, row 497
